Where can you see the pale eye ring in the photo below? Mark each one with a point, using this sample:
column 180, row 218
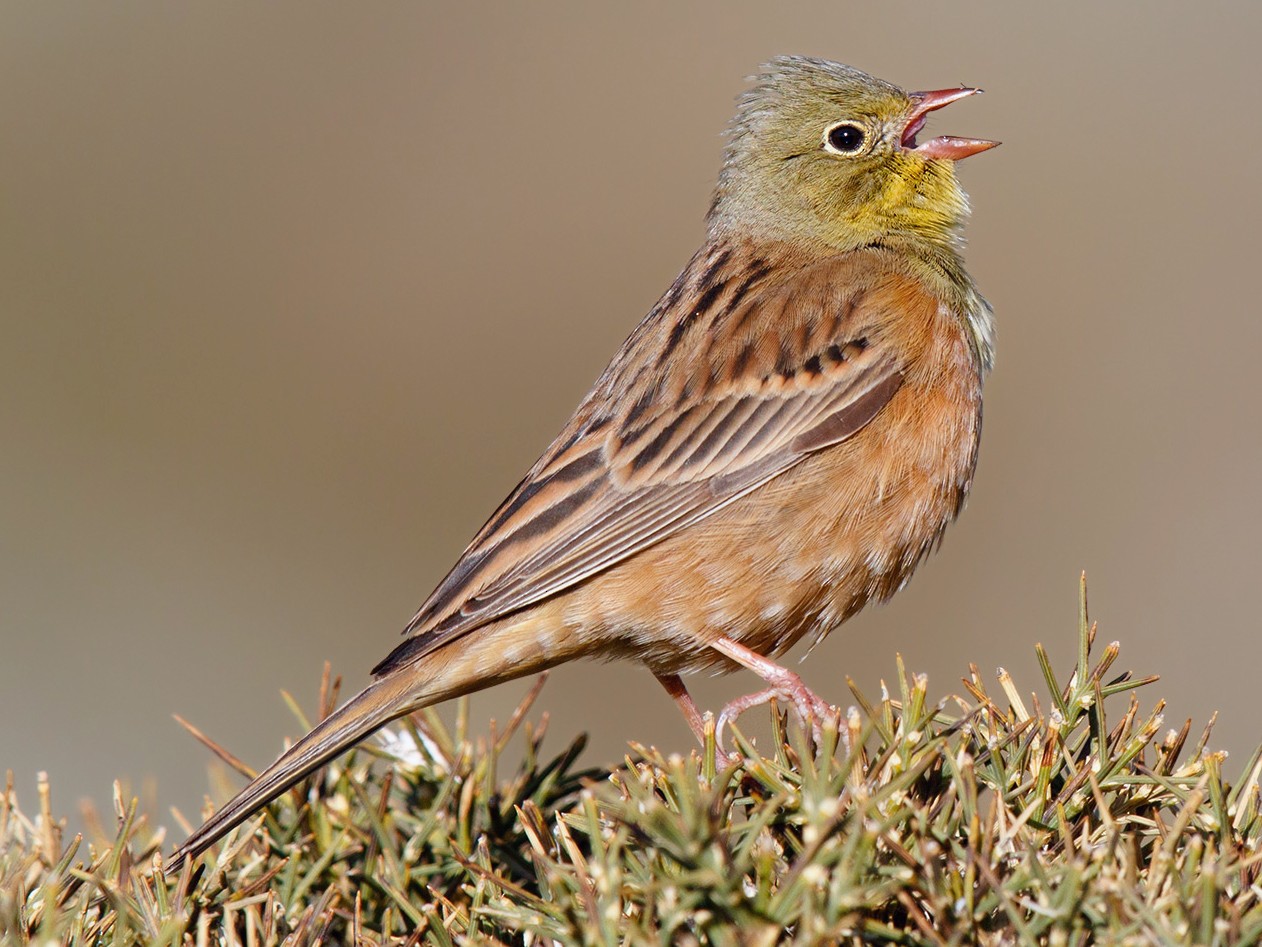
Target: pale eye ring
column 845, row 138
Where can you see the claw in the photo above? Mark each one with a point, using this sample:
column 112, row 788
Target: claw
column 735, row 708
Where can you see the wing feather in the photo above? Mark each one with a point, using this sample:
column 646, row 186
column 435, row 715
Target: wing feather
column 661, row 443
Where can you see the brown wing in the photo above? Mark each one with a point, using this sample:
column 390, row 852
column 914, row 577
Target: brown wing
column 732, row 379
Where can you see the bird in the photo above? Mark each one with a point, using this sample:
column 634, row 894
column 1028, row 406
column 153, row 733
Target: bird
column 779, row 442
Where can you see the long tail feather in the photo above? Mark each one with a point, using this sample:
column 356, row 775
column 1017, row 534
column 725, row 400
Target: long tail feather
column 485, row 657
column 373, row 707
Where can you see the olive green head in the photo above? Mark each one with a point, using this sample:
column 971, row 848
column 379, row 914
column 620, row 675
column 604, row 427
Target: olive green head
column 824, row 153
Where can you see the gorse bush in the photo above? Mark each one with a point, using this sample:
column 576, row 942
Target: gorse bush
column 988, row 818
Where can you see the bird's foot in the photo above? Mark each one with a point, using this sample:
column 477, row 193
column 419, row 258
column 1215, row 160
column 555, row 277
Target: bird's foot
column 811, row 709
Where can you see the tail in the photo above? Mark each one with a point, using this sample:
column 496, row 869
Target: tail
column 376, row 705
column 490, row 655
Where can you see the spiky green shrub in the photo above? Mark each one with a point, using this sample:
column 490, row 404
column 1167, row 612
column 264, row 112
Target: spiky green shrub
column 976, row 819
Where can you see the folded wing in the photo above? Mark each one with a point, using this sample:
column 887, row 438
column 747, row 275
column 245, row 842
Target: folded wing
column 703, row 405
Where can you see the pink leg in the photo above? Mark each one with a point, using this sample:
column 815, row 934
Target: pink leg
column 679, row 693
column 784, row 683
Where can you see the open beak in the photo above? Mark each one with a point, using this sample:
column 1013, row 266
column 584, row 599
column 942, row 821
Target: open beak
column 944, row 146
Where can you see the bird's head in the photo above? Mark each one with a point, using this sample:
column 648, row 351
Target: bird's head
column 825, row 153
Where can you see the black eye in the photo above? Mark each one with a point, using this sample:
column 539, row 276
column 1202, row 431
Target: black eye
column 845, row 138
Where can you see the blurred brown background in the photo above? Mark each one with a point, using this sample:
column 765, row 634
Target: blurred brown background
column 291, row 294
